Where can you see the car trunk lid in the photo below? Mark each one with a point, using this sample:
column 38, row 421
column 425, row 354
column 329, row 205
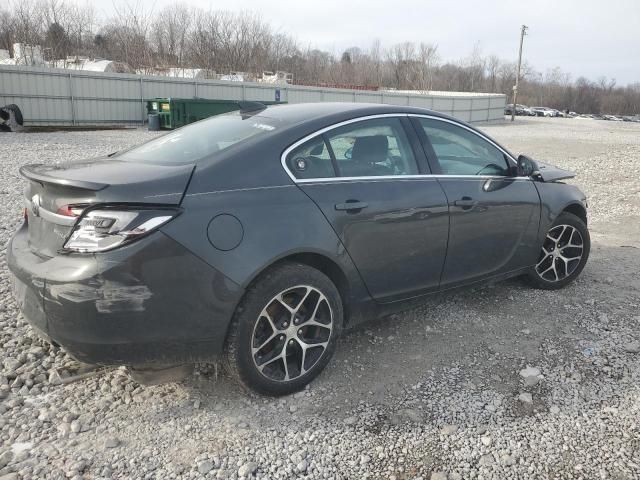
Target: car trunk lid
column 53, row 188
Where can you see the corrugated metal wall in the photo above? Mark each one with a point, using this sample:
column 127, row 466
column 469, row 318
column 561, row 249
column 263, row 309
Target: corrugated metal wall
column 63, row 97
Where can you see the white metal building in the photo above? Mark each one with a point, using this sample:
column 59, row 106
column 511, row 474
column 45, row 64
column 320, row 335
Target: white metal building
column 50, row 96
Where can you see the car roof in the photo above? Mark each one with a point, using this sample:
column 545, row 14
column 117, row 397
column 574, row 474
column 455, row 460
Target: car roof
column 242, row 165
column 300, row 113
column 301, row 119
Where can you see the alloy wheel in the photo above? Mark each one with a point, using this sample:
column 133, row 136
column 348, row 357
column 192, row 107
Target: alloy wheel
column 292, row 333
column 561, row 253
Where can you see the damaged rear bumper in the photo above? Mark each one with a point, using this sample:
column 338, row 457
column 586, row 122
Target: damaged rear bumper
column 149, row 303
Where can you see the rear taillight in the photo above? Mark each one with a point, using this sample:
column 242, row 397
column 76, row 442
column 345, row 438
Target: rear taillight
column 103, row 229
column 71, row 210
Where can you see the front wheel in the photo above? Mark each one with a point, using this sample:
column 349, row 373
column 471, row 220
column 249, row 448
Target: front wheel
column 563, row 254
column 285, row 330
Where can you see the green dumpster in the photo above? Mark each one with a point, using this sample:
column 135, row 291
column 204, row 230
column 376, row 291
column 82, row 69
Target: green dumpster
column 177, row 112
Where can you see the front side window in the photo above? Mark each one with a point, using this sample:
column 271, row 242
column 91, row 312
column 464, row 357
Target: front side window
column 200, row 140
column 376, row 147
column 311, row 160
column 461, row 152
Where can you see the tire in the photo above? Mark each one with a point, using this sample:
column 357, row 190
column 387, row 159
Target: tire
column 291, row 314
column 17, row 114
column 563, row 254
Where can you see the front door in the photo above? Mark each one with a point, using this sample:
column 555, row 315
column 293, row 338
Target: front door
column 494, row 215
column 392, row 222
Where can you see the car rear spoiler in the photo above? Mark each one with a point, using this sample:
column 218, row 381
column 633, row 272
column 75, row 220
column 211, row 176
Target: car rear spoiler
column 38, row 174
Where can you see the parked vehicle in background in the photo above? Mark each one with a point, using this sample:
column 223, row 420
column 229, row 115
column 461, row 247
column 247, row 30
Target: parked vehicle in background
column 542, row 111
column 508, row 109
column 520, row 110
column 257, row 236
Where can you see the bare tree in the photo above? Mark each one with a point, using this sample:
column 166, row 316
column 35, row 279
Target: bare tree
column 428, row 58
column 28, row 19
column 224, row 42
column 169, row 37
column 7, row 30
column 493, row 69
column 127, row 35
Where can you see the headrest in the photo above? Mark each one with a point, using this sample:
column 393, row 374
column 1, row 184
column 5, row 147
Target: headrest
column 373, row 148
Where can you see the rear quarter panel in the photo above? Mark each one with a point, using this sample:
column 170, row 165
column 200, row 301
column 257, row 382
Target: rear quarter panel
column 277, row 221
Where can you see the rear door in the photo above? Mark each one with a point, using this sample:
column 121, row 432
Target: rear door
column 392, row 220
column 494, row 215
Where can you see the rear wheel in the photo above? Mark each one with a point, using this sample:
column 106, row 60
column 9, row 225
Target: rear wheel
column 285, row 330
column 563, row 254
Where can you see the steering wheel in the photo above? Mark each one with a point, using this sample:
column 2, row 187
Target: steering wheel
column 396, row 163
column 497, row 168
column 348, row 153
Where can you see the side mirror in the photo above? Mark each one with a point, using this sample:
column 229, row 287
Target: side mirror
column 527, row 167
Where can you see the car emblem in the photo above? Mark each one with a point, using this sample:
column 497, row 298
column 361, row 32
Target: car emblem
column 35, row 205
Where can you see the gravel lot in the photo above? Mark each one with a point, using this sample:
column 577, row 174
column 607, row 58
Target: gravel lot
column 501, row 382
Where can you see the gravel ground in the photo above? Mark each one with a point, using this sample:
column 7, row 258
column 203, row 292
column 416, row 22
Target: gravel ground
column 500, row 382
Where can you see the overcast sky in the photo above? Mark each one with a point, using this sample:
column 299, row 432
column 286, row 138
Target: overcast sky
column 588, row 38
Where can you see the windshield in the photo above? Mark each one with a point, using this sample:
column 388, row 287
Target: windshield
column 200, row 140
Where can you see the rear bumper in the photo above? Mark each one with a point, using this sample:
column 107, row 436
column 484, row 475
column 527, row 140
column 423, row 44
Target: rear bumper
column 149, row 303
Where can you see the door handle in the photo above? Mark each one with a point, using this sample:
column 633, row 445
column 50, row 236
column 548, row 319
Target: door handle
column 466, row 203
column 351, row 206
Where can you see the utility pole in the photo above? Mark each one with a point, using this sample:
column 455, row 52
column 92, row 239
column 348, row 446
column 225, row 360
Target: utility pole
column 523, row 32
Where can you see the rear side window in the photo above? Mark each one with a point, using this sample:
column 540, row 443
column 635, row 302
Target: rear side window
column 377, row 147
column 311, row 160
column 461, row 152
column 200, row 140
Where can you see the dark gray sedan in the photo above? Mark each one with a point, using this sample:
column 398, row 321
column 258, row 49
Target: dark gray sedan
column 259, row 235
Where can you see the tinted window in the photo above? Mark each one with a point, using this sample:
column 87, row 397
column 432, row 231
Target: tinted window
column 311, row 160
column 461, row 152
column 200, row 140
column 372, row 148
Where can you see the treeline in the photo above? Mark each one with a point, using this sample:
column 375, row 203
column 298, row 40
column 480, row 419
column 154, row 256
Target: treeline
column 224, row 42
